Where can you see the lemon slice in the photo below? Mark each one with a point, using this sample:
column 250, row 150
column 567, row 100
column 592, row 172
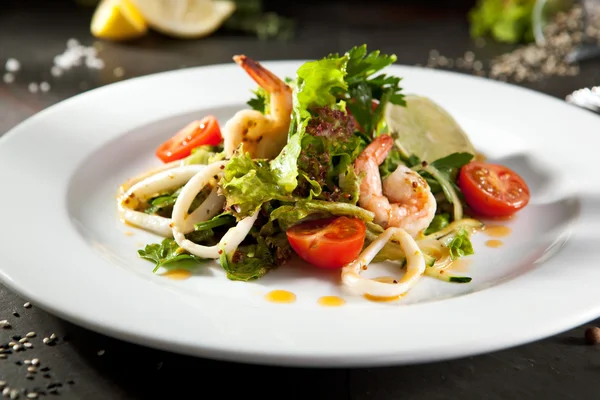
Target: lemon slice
column 117, row 20
column 185, row 19
column 426, row 129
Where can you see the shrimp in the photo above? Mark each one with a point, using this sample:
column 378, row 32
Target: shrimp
column 262, row 135
column 403, row 200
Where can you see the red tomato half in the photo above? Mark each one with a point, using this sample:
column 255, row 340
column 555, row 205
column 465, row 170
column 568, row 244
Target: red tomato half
column 330, row 242
column 492, row 190
column 197, row 133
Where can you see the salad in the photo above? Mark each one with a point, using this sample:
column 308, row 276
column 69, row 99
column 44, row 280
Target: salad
column 314, row 168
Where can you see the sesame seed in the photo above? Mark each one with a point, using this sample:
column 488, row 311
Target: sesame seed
column 27, row 362
column 23, row 340
column 56, row 71
column 101, row 352
column 32, row 395
column 16, row 314
column 5, row 324
column 119, row 72
column 46, row 340
column 27, row 305
column 14, row 394
column 3, row 356
column 8, row 78
column 30, row 334
column 31, row 369
column 33, row 87
column 16, row 347
column 11, row 343
column 6, row 391
column 52, row 337
column 35, row 361
column 44, row 86
column 12, row 65
column 27, row 345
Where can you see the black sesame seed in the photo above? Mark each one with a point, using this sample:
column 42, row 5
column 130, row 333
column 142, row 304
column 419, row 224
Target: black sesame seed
column 47, row 376
column 16, row 314
column 44, row 369
column 18, row 363
column 71, row 382
column 30, row 377
column 16, row 337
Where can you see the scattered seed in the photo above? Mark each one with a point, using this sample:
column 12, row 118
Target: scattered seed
column 44, row 369
column 35, row 361
column 11, row 343
column 30, row 334
column 23, row 340
column 5, row 324
column 119, row 72
column 2, row 384
column 27, row 305
column 592, row 335
column 27, row 345
column 32, row 395
column 14, row 394
column 16, row 314
column 53, row 337
column 16, row 337
column 31, row 369
column 12, row 65
column 47, row 376
column 3, row 356
column 27, row 362
column 30, row 377
column 8, row 78
column 45, row 340
column 6, row 391
column 33, row 88
column 16, row 347
column 44, row 87
column 101, row 352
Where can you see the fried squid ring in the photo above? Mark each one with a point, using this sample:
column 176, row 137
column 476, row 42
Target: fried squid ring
column 163, row 181
column 415, row 267
column 209, row 208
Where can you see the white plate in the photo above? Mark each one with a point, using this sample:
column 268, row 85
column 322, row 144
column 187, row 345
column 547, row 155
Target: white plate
column 64, row 249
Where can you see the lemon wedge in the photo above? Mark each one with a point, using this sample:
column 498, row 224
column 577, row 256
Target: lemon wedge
column 426, row 129
column 117, row 20
column 185, row 19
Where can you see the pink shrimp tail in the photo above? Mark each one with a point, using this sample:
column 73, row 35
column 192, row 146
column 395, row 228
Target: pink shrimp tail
column 262, row 76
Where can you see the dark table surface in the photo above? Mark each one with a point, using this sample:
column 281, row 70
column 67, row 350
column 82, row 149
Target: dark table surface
column 86, row 365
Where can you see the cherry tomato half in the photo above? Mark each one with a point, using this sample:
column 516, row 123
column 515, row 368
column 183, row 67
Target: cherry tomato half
column 328, row 243
column 492, row 190
column 197, row 133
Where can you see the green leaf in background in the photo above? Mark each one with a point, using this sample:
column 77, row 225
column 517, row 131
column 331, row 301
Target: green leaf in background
column 507, row 21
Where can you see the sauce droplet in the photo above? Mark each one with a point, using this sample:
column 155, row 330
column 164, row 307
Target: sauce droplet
column 128, row 233
column 497, row 230
column 331, row 301
column 280, row 296
column 494, row 243
column 177, row 274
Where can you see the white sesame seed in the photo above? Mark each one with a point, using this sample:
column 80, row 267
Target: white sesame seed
column 23, row 340
column 33, row 87
column 8, row 78
column 119, row 72
column 11, row 343
column 12, row 65
column 27, row 345
column 44, row 87
column 35, row 361
column 46, row 340
column 16, row 347
column 30, row 334
column 32, row 395
column 53, row 336
column 31, row 369
column 27, row 362
column 6, row 391
column 4, row 324
column 101, row 352
column 27, row 305
column 2, row 356
column 14, row 394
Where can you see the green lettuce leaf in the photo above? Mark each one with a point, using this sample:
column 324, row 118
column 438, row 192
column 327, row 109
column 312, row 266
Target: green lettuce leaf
column 438, row 223
column 461, row 245
column 205, row 154
column 289, row 215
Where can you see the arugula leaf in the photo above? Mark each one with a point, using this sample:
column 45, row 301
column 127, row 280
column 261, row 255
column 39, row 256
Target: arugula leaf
column 248, row 262
column 289, row 215
column 260, row 101
column 166, row 253
column 438, row 223
column 215, row 222
column 461, row 245
column 454, row 160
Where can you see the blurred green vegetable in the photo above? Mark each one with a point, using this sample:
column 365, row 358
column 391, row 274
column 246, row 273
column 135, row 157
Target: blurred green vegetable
column 507, row 21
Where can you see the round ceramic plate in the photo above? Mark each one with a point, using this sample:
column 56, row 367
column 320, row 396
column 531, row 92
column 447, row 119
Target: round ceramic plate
column 64, row 248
